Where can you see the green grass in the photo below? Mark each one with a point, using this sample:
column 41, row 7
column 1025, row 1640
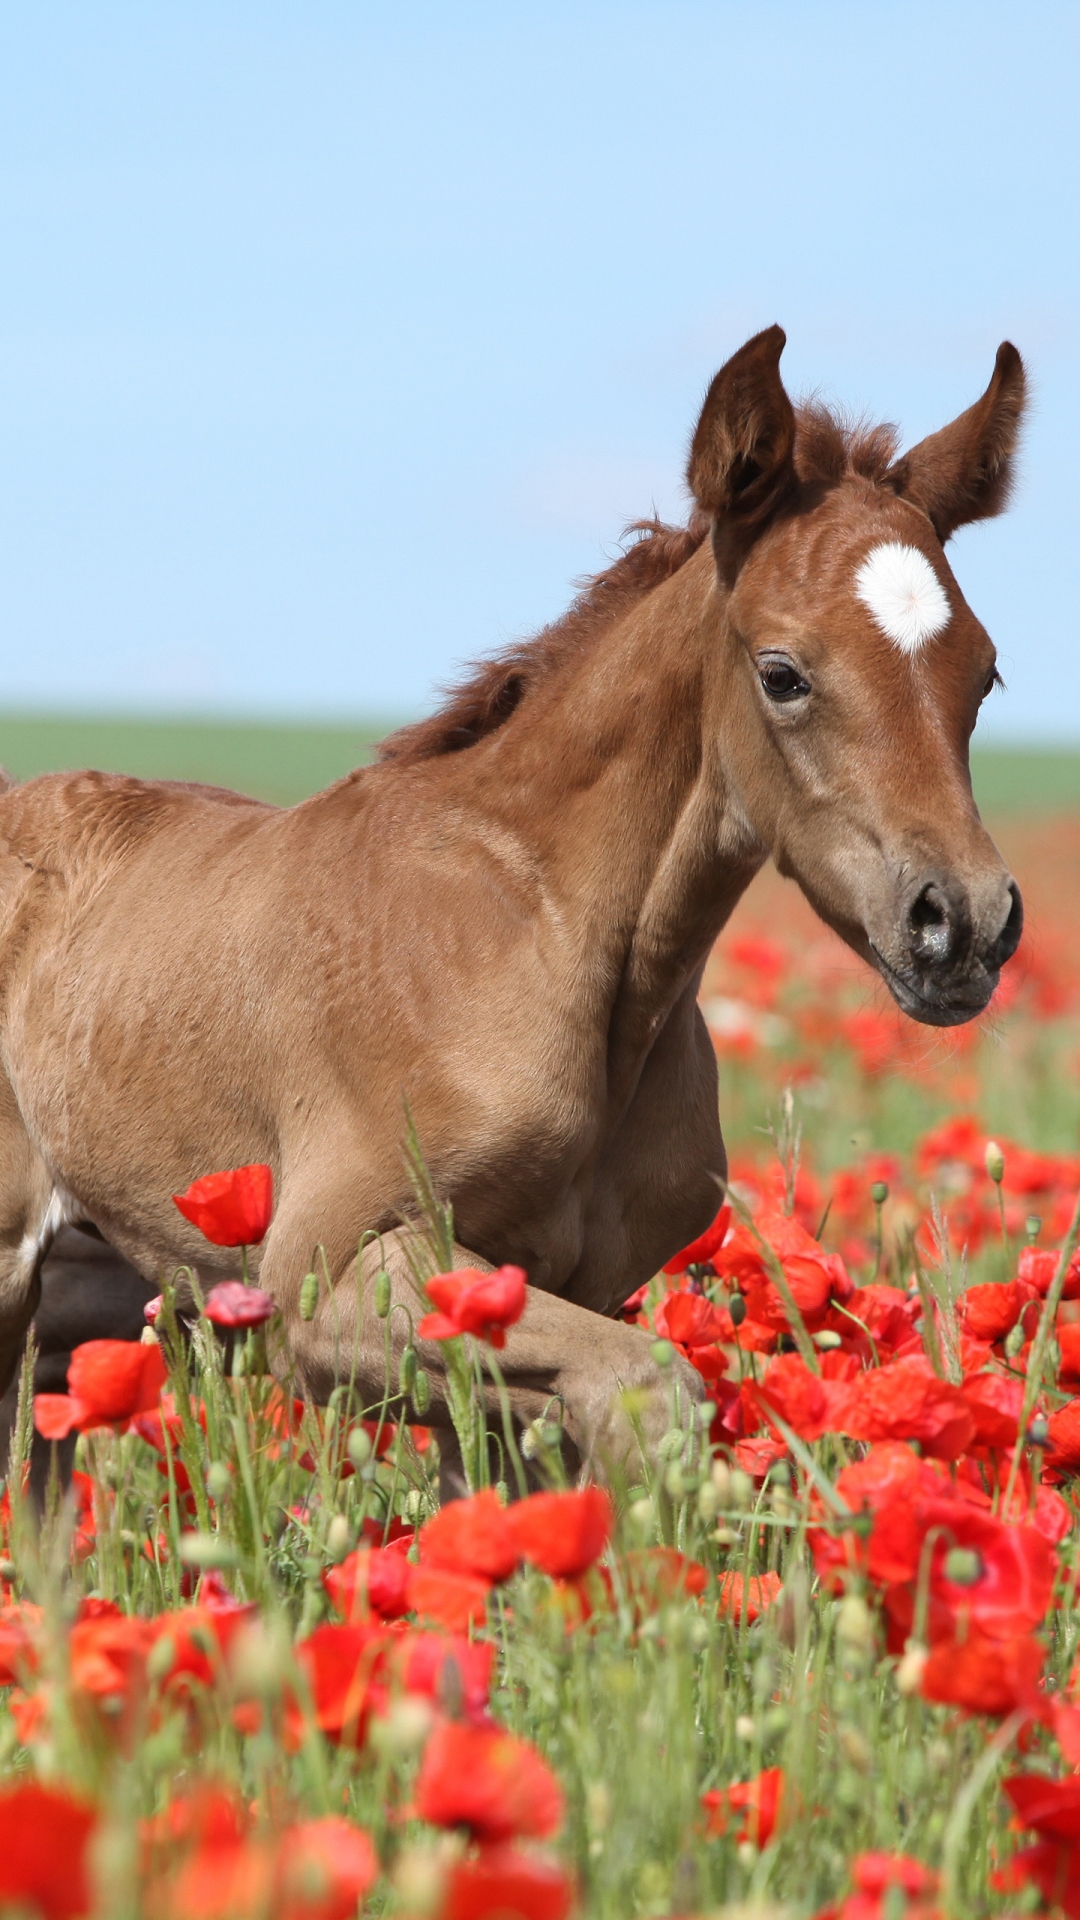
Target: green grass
column 1026, row 780
column 274, row 762
column 285, row 763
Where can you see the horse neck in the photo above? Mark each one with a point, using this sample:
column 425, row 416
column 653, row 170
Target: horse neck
column 615, row 777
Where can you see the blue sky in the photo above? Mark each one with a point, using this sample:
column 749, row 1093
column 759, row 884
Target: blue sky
column 335, row 340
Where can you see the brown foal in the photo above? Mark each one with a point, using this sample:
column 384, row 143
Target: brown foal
column 504, row 923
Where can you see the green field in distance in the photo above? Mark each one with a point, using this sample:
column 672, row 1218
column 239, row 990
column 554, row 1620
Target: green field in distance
column 285, row 763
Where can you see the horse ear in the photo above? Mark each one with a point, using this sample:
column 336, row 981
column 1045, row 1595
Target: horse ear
column 965, row 472
column 741, row 464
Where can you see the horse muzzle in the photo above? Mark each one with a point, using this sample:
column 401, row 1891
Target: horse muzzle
column 943, row 962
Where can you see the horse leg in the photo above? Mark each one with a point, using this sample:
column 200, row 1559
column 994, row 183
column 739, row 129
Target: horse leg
column 558, row 1355
column 28, row 1219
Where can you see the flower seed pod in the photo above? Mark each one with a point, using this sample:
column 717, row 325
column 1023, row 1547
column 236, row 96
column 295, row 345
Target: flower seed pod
column 358, row 1447
column 407, row 1370
column 995, row 1162
column 737, row 1309
column 421, row 1392
column 218, row 1480
column 963, row 1566
column 382, row 1293
column 879, row 1193
column 338, row 1538
column 309, row 1296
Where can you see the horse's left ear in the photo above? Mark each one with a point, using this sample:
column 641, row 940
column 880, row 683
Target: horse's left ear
column 964, row 472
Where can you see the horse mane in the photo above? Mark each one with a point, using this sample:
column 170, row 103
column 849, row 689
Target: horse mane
column 827, row 448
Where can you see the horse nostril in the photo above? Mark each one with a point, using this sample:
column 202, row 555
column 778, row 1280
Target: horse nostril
column 929, row 924
column 1009, row 938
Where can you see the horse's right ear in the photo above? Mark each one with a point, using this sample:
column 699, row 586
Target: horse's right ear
column 741, row 465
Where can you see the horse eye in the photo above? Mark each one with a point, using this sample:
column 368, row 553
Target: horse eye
column 781, row 681
column 994, row 680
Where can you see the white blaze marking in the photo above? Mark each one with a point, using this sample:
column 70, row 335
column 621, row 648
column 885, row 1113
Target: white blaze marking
column 904, row 594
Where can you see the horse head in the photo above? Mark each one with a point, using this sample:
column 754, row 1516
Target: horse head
column 852, row 669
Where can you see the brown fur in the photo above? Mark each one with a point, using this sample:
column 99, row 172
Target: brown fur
column 509, row 938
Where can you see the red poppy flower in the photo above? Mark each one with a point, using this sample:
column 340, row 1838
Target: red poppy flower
column 1063, row 1456
column 691, row 1320
column 109, row 1382
column 996, row 1403
column 980, row 1675
column 504, row 1880
column 756, row 1455
column 1068, row 1339
column 1038, row 1266
column 990, row 1311
column 887, row 1484
column 323, row 1870
column 759, row 1802
column 201, row 1638
column 746, row 1597
column 1049, row 1807
column 907, row 1401
column 456, row 1601
column 656, row 1574
column 19, row 1639
column 1051, row 1867
column 44, row 1836
column 441, row 1665
column 806, row 1402
column 474, row 1536
column 701, row 1250
column 1007, row 1580
column 483, row 1304
column 371, row 1580
column 815, row 1278
column 231, row 1304
column 206, row 1859
column 563, row 1534
column 876, row 1875
column 340, row 1665
column 489, row 1781
column 231, row 1209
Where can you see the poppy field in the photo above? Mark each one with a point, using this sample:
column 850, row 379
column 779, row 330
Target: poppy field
column 813, row 1650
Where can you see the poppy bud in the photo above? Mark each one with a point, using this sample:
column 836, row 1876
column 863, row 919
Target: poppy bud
column 708, row 1500
column 910, row 1670
column 663, row 1352
column 218, row 1479
column 1038, row 1434
column 382, row 1293
column 827, row 1340
column 407, row 1370
column 995, row 1162
column 670, row 1444
column 879, row 1193
column 309, row 1296
column 721, row 1476
column 855, row 1624
column 963, row 1566
column 421, row 1392
column 161, row 1658
column 737, row 1309
column 338, row 1538
column 358, row 1447
column 206, row 1550
column 1032, row 1228
column 742, row 1489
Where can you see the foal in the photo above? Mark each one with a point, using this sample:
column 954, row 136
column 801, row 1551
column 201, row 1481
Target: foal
column 504, row 923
